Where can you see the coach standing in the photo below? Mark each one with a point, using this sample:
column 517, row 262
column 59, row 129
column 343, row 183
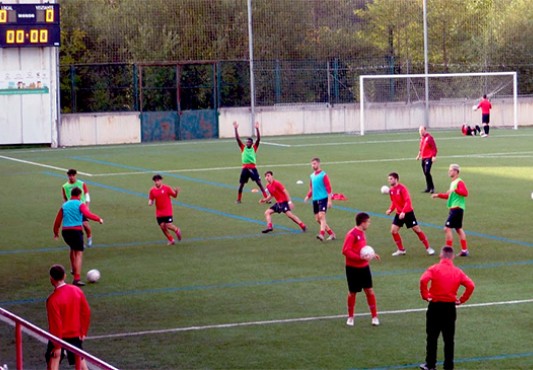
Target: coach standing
column 445, row 280
column 427, row 154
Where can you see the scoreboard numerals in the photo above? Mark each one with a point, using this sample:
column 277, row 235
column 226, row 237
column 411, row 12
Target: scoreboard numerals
column 29, row 25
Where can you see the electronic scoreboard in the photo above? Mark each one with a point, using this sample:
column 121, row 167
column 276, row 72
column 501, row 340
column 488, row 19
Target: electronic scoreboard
column 29, row 25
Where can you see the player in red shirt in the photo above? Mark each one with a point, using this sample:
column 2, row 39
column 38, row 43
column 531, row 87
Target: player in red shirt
column 405, row 215
column 69, row 317
column 358, row 273
column 283, row 203
column 160, row 194
column 485, row 106
column 427, row 154
column 445, row 279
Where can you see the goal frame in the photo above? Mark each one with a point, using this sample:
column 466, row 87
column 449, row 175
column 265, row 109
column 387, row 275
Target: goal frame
column 362, row 79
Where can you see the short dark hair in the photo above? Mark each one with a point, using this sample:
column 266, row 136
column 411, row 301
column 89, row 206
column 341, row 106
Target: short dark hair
column 72, row 171
column 75, row 191
column 157, row 177
column 484, row 96
column 269, row 172
column 57, row 272
column 395, row 175
column 315, row 159
column 447, row 252
column 250, row 139
column 361, row 217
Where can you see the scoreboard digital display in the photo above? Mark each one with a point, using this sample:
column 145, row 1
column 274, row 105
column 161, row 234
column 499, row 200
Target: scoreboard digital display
column 29, row 25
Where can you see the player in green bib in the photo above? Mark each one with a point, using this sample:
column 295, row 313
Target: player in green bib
column 456, row 203
column 85, row 198
column 248, row 157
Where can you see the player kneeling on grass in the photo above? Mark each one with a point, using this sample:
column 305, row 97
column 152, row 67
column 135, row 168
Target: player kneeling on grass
column 283, row 203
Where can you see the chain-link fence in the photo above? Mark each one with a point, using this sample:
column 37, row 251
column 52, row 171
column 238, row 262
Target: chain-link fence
column 191, row 54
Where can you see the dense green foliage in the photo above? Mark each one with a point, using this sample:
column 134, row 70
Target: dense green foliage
column 226, row 272
column 295, row 45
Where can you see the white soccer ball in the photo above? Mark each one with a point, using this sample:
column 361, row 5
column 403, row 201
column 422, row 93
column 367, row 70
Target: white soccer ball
column 367, row 253
column 93, row 276
column 299, row 182
column 385, row 189
column 474, row 107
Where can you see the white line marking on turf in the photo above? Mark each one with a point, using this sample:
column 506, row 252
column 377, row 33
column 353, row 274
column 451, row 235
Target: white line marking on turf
column 355, row 161
column 287, row 321
column 41, row 165
column 276, row 144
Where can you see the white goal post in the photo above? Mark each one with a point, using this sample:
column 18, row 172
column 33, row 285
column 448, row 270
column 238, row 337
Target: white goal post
column 396, row 102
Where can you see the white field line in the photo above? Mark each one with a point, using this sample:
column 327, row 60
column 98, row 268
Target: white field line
column 485, row 155
column 275, row 144
column 226, row 140
column 41, row 165
column 288, row 321
column 207, row 169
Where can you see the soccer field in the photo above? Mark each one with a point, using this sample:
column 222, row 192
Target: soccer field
column 228, row 296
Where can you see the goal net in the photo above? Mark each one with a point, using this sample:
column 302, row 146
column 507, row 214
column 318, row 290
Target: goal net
column 399, row 102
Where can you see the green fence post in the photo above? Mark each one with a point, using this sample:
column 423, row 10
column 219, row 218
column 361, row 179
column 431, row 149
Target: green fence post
column 72, row 74
column 135, row 88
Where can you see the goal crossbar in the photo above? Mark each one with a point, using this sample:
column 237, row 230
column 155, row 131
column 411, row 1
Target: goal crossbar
column 362, row 79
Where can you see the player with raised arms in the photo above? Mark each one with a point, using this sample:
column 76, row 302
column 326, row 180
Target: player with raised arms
column 248, row 157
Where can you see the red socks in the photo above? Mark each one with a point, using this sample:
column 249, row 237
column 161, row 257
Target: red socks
column 398, row 240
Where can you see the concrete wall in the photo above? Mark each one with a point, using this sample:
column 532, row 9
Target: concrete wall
column 99, row 129
column 122, row 128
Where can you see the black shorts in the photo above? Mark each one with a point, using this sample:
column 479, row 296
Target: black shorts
column 485, row 118
column 409, row 220
column 166, row 220
column 358, row 278
column 249, row 173
column 281, row 207
column 455, row 218
column 320, row 205
column 73, row 238
column 76, row 342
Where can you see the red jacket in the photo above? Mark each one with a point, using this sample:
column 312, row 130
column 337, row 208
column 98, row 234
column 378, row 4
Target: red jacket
column 68, row 312
column 485, row 106
column 400, row 199
column 445, row 279
column 428, row 148
column 353, row 242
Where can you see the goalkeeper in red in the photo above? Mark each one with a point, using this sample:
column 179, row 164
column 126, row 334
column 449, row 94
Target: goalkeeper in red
column 283, row 203
column 456, row 203
column 248, row 157
column 405, row 215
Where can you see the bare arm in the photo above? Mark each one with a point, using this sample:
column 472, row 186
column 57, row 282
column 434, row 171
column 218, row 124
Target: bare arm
column 237, row 137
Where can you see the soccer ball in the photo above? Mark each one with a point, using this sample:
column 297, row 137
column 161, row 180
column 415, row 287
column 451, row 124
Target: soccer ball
column 299, row 182
column 93, row 276
column 367, row 253
column 385, row 189
column 474, row 107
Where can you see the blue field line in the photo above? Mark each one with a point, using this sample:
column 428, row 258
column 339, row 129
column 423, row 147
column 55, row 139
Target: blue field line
column 247, row 219
column 141, row 169
column 507, row 356
column 247, row 284
column 142, row 244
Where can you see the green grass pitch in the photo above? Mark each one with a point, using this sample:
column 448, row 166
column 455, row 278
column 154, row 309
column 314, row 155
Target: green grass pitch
column 229, row 297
